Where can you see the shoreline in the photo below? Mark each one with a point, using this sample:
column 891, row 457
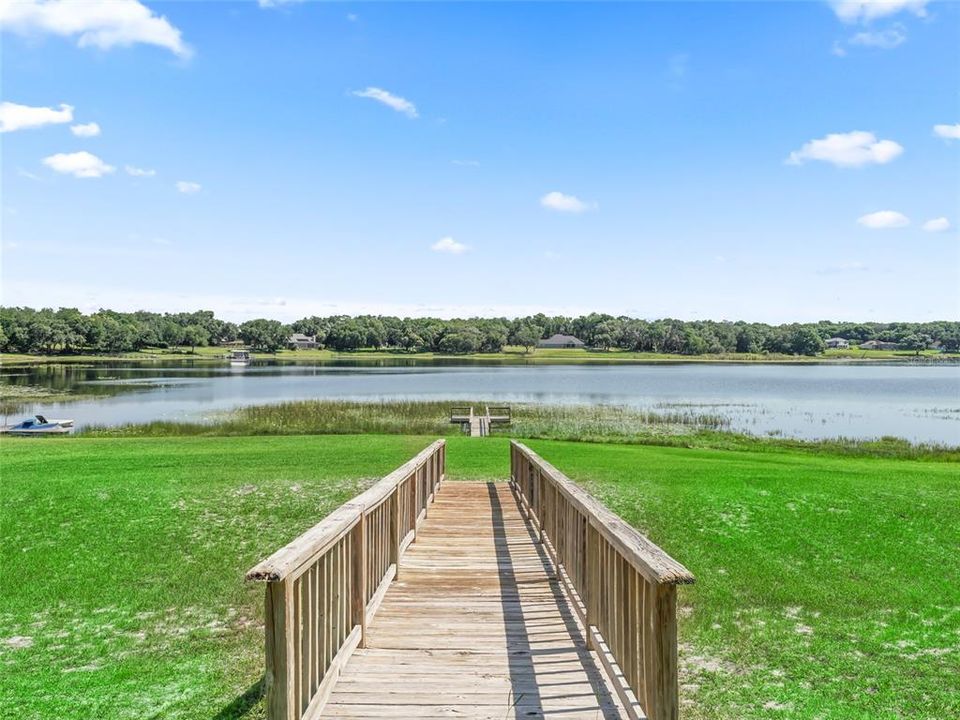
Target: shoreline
column 216, row 355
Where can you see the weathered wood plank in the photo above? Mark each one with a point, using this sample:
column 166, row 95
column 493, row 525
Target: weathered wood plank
column 477, row 624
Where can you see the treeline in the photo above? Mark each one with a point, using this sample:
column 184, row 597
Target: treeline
column 67, row 330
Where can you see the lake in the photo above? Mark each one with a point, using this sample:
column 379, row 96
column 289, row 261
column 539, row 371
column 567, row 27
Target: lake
column 918, row 402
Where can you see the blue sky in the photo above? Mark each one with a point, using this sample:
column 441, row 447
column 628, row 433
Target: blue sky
column 761, row 161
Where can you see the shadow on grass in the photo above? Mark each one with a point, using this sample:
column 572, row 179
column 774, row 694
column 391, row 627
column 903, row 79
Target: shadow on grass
column 242, row 704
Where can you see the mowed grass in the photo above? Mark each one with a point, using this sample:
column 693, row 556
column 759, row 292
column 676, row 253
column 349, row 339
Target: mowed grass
column 123, row 563
column 828, row 586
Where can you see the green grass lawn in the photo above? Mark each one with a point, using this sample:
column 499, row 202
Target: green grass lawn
column 827, row 586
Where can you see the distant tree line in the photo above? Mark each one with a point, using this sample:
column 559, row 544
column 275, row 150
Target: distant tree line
column 67, row 330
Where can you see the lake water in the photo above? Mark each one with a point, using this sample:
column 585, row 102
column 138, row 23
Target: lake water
column 913, row 401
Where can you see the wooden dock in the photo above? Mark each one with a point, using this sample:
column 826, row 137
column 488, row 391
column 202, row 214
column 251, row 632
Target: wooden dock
column 422, row 598
column 477, row 626
column 479, row 423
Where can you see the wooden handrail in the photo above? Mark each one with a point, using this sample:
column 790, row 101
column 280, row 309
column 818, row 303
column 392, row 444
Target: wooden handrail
column 323, row 588
column 623, row 587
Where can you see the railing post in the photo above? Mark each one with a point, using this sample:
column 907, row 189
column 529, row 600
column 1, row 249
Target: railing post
column 359, row 562
column 395, row 531
column 589, row 589
column 414, row 510
column 427, row 485
column 662, row 702
column 537, row 483
column 279, row 677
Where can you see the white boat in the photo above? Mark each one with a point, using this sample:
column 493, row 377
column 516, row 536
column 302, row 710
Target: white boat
column 239, row 357
column 39, row 425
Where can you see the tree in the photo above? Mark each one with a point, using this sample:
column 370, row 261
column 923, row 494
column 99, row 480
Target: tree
column 262, row 334
column 493, row 335
column 527, row 335
column 915, row 342
column 606, row 333
column 693, row 342
column 805, row 341
column 346, row 335
column 462, row 340
column 194, row 335
column 950, row 339
column 746, row 340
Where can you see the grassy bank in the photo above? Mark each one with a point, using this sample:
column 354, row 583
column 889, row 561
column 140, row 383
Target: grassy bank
column 828, row 586
column 688, row 427
column 510, row 354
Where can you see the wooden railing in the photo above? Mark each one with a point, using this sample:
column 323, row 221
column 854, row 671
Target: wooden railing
column 623, row 587
column 499, row 414
column 324, row 587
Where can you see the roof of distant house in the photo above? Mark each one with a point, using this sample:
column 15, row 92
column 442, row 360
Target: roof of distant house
column 300, row 337
column 560, row 338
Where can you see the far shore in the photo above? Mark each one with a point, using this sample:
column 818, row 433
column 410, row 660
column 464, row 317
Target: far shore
column 517, row 355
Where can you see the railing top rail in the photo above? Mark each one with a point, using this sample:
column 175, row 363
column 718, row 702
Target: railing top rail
column 334, row 526
column 649, row 559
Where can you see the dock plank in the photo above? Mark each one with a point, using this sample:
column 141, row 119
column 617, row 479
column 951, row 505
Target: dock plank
column 476, row 627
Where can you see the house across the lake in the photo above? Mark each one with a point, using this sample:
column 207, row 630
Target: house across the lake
column 299, row 341
column 838, row 343
column 561, row 341
column 878, row 345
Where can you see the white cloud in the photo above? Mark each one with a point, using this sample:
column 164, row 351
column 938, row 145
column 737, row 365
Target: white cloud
column 449, row 245
column 401, row 105
column 940, row 224
column 883, row 39
column 86, row 130
column 139, row 172
column 838, row 49
column 79, row 164
column 948, row 132
column 98, row 23
column 21, row 117
column 851, row 149
column 884, row 219
column 185, row 186
column 276, row 3
column 352, row 17
column 565, row 203
column 852, row 11
column 466, row 163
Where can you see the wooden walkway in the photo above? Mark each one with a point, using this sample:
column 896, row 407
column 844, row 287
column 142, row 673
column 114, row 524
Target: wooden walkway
column 423, row 598
column 475, row 626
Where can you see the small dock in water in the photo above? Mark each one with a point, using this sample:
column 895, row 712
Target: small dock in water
column 479, row 423
column 520, row 599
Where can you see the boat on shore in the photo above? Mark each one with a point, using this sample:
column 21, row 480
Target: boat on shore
column 239, row 357
column 39, row 425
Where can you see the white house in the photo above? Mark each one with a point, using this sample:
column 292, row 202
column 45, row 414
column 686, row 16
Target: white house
column 299, row 341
